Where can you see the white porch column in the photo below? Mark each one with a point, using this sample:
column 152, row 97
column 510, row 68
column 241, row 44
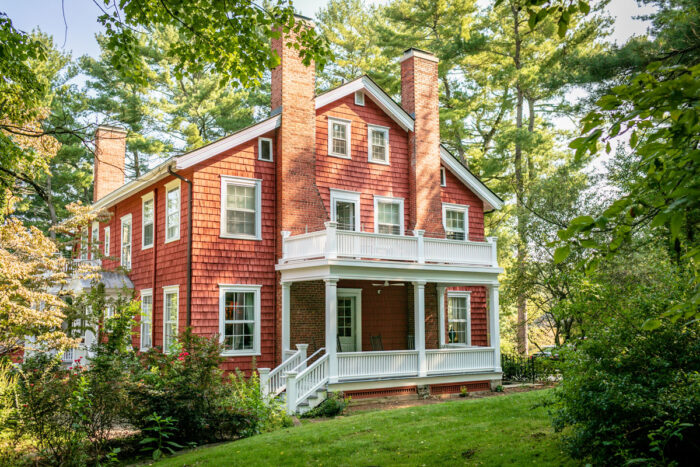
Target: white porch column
column 441, row 315
column 494, row 328
column 286, row 297
column 419, row 312
column 332, row 328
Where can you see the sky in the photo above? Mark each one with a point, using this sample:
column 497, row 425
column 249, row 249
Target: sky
column 77, row 33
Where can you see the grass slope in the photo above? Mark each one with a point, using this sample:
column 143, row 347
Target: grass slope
column 505, row 430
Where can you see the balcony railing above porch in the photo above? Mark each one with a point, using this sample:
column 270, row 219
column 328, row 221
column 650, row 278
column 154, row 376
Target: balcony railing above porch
column 332, row 243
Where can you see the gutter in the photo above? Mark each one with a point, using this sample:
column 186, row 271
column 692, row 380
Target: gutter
column 189, row 243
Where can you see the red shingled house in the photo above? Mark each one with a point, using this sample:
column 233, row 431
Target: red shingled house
column 335, row 242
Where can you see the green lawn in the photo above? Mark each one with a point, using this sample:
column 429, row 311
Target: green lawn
column 505, row 430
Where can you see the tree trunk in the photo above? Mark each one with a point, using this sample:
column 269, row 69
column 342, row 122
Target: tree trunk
column 521, row 300
column 52, row 208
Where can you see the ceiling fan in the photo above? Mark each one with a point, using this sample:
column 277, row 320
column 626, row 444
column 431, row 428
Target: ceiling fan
column 387, row 284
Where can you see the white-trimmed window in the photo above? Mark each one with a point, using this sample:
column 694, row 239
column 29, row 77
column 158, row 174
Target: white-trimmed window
column 459, row 318
column 147, row 215
column 339, row 137
column 171, row 305
column 378, row 144
column 84, row 243
column 388, row 215
column 126, row 242
column 443, row 177
column 345, row 209
column 146, row 318
column 241, row 200
column 107, row 240
column 172, row 211
column 95, row 240
column 265, row 149
column 359, row 98
column 239, row 319
column 455, row 220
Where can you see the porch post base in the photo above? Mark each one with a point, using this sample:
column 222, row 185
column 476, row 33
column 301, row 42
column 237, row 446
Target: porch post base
column 495, row 383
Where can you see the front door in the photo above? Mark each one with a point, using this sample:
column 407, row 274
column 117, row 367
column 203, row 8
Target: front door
column 347, row 324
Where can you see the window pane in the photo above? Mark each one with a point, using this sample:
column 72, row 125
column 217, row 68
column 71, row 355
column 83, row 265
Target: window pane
column 266, row 150
column 345, row 215
column 339, row 138
column 457, row 320
column 148, row 211
column 240, row 210
column 148, row 234
column 378, row 142
column 388, row 218
column 454, row 224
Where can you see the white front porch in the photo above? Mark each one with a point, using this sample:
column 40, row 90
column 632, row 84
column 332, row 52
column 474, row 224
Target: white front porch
column 406, row 361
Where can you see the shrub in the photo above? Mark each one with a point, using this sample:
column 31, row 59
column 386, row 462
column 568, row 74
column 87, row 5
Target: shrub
column 334, row 405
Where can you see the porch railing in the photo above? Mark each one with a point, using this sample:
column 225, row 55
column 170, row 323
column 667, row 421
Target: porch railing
column 274, row 382
column 300, row 386
column 332, row 243
column 392, row 363
column 453, row 360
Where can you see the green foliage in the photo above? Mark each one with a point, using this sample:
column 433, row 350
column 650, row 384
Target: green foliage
column 158, row 431
column 333, row 406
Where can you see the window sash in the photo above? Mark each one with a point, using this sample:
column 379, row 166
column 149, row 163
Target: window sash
column 94, row 241
column 379, row 145
column 84, row 244
column 170, row 319
column 454, row 224
column 265, row 149
column 107, row 240
column 241, row 212
column 146, row 321
column 458, row 320
column 126, row 244
column 239, row 321
column 147, row 223
column 172, row 216
column 388, row 218
column 339, row 138
column 345, row 215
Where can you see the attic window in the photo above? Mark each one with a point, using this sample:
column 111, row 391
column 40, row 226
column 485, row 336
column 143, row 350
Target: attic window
column 359, row 98
column 443, row 178
column 265, row 149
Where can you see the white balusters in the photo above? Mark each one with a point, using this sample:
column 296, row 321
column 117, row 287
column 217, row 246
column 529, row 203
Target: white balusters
column 456, row 360
column 358, row 365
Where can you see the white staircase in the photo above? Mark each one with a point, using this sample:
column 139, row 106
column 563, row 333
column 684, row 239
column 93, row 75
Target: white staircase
column 301, row 385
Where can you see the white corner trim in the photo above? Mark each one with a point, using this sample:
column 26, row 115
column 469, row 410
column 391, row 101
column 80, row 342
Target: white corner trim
column 350, row 197
column 388, row 199
column 374, row 92
column 490, row 200
column 387, row 146
column 255, row 289
column 241, row 181
column 348, row 137
column 236, row 139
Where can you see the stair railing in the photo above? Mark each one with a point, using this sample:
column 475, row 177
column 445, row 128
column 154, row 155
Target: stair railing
column 273, row 382
column 300, row 386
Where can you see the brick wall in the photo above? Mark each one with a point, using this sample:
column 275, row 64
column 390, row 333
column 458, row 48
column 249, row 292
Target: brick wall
column 108, row 169
column 307, row 316
column 455, row 192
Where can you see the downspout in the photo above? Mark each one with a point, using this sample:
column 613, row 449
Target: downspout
column 154, row 295
column 189, row 244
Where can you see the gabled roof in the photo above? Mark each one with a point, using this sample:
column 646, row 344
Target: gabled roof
column 374, row 92
column 491, row 200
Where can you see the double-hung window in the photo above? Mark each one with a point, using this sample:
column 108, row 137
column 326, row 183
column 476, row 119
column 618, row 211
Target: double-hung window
column 126, row 242
column 443, row 177
column 239, row 319
column 147, row 221
column 146, row 318
column 345, row 209
column 95, row 240
column 172, row 211
column 171, row 303
column 459, row 318
column 84, row 246
column 339, row 138
column 388, row 215
column 240, row 207
column 265, row 149
column 455, row 218
column 107, row 239
column 378, row 144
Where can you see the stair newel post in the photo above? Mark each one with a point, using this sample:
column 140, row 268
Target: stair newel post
column 420, row 236
column 302, row 349
column 291, row 392
column 264, row 381
column 331, row 240
column 494, row 250
column 285, row 236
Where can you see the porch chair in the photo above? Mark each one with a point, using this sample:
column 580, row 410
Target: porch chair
column 411, row 343
column 376, row 342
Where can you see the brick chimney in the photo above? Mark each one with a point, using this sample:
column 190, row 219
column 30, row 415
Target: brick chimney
column 299, row 204
column 419, row 96
column 110, row 152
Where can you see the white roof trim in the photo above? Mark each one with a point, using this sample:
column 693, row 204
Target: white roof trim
column 217, row 147
column 491, row 201
column 374, row 92
column 134, row 186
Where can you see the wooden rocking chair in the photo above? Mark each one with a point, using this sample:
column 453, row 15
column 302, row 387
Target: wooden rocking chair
column 376, row 342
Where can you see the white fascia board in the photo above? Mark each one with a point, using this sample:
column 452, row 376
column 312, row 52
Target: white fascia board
column 374, row 92
column 490, row 200
column 217, row 147
column 134, row 186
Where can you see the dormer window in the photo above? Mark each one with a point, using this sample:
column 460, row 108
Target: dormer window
column 378, row 144
column 339, row 138
column 359, row 98
column 265, row 149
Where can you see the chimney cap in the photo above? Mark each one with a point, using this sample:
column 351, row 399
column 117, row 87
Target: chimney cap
column 309, row 21
column 414, row 52
column 112, row 128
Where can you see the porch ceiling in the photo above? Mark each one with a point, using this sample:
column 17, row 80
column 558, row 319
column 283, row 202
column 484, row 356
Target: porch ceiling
column 388, row 270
